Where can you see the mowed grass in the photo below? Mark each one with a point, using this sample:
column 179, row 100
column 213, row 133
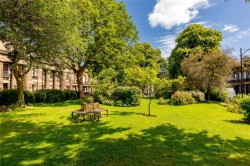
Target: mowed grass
column 199, row 134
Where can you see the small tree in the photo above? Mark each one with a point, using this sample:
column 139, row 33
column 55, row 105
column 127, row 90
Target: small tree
column 207, row 70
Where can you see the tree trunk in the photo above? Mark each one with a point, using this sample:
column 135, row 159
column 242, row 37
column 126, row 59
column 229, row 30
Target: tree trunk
column 208, row 94
column 19, row 78
column 79, row 83
column 20, row 91
column 149, row 105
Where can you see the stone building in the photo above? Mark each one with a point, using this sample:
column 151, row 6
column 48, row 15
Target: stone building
column 48, row 78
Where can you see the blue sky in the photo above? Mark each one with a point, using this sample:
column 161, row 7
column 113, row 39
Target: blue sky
column 160, row 21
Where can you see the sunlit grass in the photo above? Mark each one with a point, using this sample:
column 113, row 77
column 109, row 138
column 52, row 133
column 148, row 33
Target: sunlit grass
column 199, row 134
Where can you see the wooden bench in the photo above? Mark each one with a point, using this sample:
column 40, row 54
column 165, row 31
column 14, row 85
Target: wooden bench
column 91, row 109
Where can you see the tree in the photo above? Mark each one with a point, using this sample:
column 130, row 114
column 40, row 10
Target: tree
column 205, row 71
column 144, row 57
column 195, row 38
column 34, row 29
column 106, row 32
column 143, row 73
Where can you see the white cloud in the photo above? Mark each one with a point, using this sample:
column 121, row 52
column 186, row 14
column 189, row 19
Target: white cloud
column 166, row 44
column 239, row 36
column 230, row 28
column 169, row 13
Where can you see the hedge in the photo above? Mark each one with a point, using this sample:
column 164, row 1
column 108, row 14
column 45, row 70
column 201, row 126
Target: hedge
column 10, row 96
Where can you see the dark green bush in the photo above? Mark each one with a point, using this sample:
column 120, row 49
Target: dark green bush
column 70, row 95
column 49, row 96
column 10, row 97
column 245, row 105
column 182, row 98
column 29, row 97
column 129, row 96
column 219, row 95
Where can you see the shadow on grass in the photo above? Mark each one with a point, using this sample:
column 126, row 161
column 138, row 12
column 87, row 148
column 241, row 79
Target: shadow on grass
column 121, row 113
column 59, row 104
column 92, row 144
column 238, row 122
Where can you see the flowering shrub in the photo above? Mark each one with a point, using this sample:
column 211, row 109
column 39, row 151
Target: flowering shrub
column 182, row 98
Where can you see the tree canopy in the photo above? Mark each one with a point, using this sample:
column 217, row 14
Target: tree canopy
column 35, row 29
column 205, row 71
column 106, row 32
column 195, row 38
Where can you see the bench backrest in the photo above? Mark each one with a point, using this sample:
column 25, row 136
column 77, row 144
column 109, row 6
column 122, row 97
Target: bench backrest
column 86, row 107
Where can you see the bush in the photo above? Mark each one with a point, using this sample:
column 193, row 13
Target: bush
column 70, row 95
column 238, row 99
column 219, row 95
column 245, row 105
column 198, row 95
column 29, row 97
column 162, row 101
column 49, row 96
column 235, row 108
column 129, row 96
column 108, row 102
column 10, row 97
column 165, row 88
column 182, row 98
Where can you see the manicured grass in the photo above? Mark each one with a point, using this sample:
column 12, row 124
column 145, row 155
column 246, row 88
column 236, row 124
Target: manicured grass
column 199, row 134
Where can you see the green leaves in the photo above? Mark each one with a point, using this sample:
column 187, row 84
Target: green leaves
column 195, row 38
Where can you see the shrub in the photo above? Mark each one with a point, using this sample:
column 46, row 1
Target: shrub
column 10, row 97
column 182, row 98
column 165, row 88
column 108, row 102
column 238, row 98
column 29, row 97
column 219, row 95
column 129, row 96
column 70, row 95
column 198, row 95
column 245, row 105
column 49, row 96
column 235, row 108
column 162, row 101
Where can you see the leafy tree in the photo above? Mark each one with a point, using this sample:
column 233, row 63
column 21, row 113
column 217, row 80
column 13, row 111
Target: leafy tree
column 195, row 38
column 205, row 71
column 144, row 57
column 34, row 29
column 106, row 32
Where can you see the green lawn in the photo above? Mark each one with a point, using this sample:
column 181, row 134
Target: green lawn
column 199, row 134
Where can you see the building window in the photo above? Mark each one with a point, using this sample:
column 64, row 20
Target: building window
column 5, row 70
column 5, row 86
column 34, row 73
column 33, row 87
column 84, row 79
column 67, row 77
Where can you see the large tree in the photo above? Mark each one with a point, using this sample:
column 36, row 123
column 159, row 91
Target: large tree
column 106, row 31
column 195, row 38
column 34, row 29
column 205, row 71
